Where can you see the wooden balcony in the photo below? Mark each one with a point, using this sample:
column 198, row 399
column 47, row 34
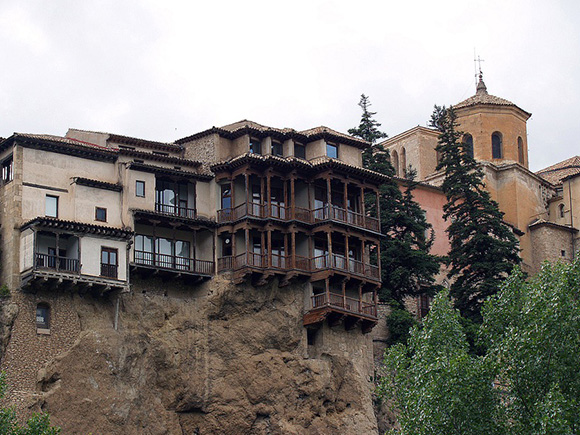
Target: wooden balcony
column 174, row 210
column 337, row 308
column 56, row 263
column 301, row 214
column 350, row 266
column 174, row 263
column 300, row 264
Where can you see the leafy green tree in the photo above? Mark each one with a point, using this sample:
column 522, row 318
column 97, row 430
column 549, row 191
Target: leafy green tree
column 38, row 424
column 532, row 329
column 407, row 267
column 483, row 248
column 436, row 386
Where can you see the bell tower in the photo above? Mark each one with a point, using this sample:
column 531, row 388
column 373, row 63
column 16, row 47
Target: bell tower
column 495, row 127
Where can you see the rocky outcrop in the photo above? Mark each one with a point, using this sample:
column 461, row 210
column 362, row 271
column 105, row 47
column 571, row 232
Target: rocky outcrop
column 215, row 359
column 8, row 312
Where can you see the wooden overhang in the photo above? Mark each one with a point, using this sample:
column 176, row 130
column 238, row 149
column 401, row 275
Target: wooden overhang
column 160, row 158
column 335, row 315
column 115, row 187
column 151, row 217
column 50, row 223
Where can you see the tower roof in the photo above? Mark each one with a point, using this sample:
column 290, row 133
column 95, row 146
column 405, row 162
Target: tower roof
column 482, row 97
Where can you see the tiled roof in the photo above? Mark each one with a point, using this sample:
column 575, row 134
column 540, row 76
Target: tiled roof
column 482, row 97
column 128, row 140
column 237, row 129
column 543, row 222
column 318, row 163
column 72, row 226
column 64, row 140
column 556, row 173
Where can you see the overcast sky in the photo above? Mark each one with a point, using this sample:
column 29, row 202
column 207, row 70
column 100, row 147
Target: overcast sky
column 164, row 70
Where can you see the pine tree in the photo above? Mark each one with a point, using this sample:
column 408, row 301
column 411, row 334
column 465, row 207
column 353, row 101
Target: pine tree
column 407, row 267
column 483, row 248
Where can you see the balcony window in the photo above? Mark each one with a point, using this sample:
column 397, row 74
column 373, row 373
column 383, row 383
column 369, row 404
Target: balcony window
column 100, row 214
column 109, row 262
column 332, row 150
column 277, row 149
column 8, row 170
column 172, row 198
column 162, row 252
column 226, row 196
column 300, row 150
column 255, row 146
column 140, row 188
column 51, row 206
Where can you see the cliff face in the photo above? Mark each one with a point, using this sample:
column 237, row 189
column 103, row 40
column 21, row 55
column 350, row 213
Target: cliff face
column 217, row 359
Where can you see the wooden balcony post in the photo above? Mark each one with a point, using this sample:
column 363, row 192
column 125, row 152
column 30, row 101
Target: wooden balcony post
column 269, row 247
column 328, row 196
column 293, row 243
column 346, row 256
column 310, row 203
column 283, row 262
column 362, row 206
column 378, row 208
column 269, row 193
column 360, row 299
column 57, row 242
column 247, row 236
column 344, row 294
column 379, row 257
column 247, row 184
column 263, row 248
column 284, row 214
column 345, row 200
column 262, row 196
column 233, row 192
column 329, row 249
column 327, row 284
column 292, row 198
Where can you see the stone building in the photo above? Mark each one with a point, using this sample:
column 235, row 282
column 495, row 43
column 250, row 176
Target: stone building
column 540, row 207
column 96, row 216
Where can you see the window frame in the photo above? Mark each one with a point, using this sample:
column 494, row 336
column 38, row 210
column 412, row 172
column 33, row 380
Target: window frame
column 140, row 187
column 496, row 148
column 55, row 204
column 110, row 250
column 8, row 169
column 45, row 325
column 255, row 146
column 332, row 146
column 277, row 149
column 102, row 210
column 300, row 146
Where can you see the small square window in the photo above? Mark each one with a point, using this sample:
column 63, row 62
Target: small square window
column 101, row 214
column 300, row 150
column 563, row 253
column 255, row 146
column 8, row 170
column 140, row 188
column 51, row 209
column 332, row 150
column 43, row 316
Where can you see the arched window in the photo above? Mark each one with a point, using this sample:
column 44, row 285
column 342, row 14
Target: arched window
column 561, row 210
column 395, row 162
column 468, row 145
column 496, row 145
column 520, row 150
column 403, row 170
column 43, row 316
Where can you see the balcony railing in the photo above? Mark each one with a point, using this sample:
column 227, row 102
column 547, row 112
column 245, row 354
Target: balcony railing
column 339, row 214
column 339, row 262
column 174, row 262
column 174, row 210
column 45, row 261
column 249, row 259
column 109, row 270
column 342, row 302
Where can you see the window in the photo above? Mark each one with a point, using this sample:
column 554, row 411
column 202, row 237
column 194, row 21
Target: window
column 403, row 170
column 395, row 162
column 51, row 206
column 227, row 246
column 109, row 264
column 468, row 145
column 424, row 305
column 255, row 146
column 8, row 170
column 332, row 150
column 171, row 197
column 520, row 151
column 300, row 150
column 277, row 149
column 563, row 253
column 140, row 188
column 561, row 210
column 496, row 145
column 226, row 196
column 43, row 316
column 100, row 214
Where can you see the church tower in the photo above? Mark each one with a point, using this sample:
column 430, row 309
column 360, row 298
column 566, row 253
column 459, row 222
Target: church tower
column 494, row 127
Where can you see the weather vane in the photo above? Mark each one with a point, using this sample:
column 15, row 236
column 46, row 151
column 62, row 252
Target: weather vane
column 477, row 63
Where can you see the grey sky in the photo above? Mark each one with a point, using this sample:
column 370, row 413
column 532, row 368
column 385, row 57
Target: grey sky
column 165, row 70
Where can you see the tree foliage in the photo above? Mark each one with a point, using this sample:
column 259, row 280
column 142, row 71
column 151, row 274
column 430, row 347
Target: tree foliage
column 407, row 267
column 38, row 424
column 483, row 248
column 528, row 383
column 532, row 328
column 436, row 386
